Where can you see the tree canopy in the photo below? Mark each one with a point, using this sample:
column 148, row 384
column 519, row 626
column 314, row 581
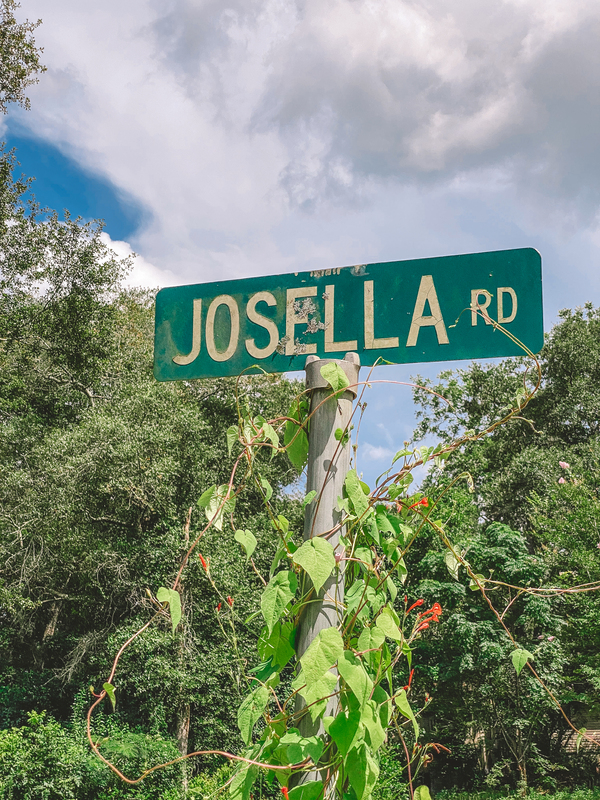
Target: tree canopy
column 19, row 56
column 532, row 520
column 100, row 471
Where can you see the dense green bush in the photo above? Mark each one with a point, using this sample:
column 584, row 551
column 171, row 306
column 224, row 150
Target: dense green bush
column 44, row 760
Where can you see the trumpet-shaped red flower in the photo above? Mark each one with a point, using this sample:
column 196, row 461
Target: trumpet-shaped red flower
column 414, row 605
column 422, row 502
column 218, row 608
column 230, row 601
column 284, row 792
column 203, row 562
column 431, row 615
column 410, row 677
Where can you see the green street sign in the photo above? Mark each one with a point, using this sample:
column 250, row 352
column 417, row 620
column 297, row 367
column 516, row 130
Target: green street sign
column 430, row 309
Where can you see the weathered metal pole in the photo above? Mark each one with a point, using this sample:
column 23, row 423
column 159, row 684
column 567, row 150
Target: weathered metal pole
column 328, row 463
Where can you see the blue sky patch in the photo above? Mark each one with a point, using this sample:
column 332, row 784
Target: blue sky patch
column 60, row 183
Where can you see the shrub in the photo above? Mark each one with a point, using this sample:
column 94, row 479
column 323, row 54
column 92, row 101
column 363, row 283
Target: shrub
column 44, row 760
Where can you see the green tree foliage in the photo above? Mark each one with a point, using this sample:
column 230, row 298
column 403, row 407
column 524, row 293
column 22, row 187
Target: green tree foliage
column 561, row 421
column 57, row 319
column 19, row 56
column 43, row 760
column 482, row 708
column 101, row 468
column 531, row 521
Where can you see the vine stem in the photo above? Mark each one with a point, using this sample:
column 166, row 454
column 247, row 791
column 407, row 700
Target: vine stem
column 410, row 786
column 179, row 759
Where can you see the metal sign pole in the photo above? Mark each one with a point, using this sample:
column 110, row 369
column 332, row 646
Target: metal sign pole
column 328, row 463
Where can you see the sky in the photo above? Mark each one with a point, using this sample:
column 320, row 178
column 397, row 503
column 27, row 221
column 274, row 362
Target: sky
column 230, row 139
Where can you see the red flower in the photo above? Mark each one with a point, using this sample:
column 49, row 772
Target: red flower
column 431, row 615
column 410, row 677
column 284, row 792
column 414, row 605
column 230, row 601
column 203, row 562
column 422, row 502
column 218, row 608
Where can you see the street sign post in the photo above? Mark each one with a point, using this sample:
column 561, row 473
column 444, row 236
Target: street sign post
column 327, row 465
column 435, row 309
column 400, row 311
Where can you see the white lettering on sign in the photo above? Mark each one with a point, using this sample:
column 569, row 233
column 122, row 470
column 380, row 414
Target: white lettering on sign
column 264, row 322
column 302, row 313
column 196, row 336
column 292, row 319
column 476, row 305
column 513, row 296
column 427, row 294
column 234, row 315
column 330, row 345
column 371, row 343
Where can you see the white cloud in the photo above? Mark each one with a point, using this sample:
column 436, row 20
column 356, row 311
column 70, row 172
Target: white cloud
column 423, row 91
column 143, row 273
column 267, row 136
column 370, row 452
